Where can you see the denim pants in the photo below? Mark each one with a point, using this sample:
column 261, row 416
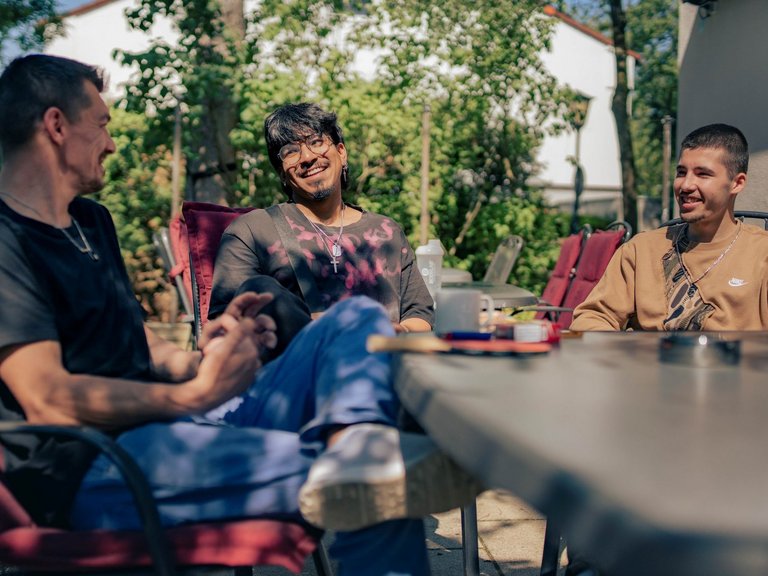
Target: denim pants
column 249, row 456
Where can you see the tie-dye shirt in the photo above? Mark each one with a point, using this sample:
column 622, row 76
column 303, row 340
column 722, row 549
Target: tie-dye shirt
column 376, row 260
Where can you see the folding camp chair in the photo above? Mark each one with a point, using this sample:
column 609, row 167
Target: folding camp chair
column 162, row 241
column 503, row 260
column 195, row 238
column 597, row 252
column 583, row 259
column 563, row 273
column 231, row 546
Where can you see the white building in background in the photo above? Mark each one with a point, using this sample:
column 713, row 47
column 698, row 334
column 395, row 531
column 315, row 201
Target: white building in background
column 580, row 57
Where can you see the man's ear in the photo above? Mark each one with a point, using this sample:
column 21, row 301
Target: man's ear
column 54, row 124
column 342, row 152
column 738, row 183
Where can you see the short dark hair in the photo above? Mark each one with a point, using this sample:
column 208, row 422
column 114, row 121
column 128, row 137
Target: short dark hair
column 32, row 84
column 293, row 122
column 728, row 138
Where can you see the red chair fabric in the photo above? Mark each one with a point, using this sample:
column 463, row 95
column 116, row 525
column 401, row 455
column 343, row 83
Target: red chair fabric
column 563, row 272
column 239, row 544
column 234, row 544
column 200, row 230
column 177, row 231
column 598, row 251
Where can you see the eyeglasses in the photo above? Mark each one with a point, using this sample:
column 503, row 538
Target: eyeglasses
column 290, row 154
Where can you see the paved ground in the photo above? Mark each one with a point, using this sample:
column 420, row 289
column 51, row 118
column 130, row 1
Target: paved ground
column 511, row 540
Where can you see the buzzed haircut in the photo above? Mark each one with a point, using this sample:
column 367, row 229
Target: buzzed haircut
column 32, row 84
column 725, row 137
column 293, row 122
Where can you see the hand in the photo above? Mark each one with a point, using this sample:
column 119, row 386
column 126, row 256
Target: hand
column 230, row 361
column 247, row 305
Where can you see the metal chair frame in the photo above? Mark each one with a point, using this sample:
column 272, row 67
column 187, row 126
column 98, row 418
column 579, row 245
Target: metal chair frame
column 157, row 543
column 740, row 214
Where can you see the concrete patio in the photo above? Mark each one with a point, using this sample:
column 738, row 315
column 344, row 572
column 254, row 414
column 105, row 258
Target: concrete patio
column 511, row 540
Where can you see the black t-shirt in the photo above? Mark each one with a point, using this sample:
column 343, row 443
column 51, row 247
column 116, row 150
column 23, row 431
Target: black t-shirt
column 49, row 290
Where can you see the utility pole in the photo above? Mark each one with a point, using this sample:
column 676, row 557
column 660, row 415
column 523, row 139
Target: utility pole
column 666, row 123
column 173, row 308
column 424, row 220
column 176, row 166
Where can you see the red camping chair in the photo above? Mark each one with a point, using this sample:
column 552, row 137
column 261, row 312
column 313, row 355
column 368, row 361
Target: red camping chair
column 196, row 237
column 597, row 252
column 583, row 258
column 563, row 273
column 236, row 545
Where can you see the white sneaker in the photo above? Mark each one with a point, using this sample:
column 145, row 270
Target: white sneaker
column 374, row 473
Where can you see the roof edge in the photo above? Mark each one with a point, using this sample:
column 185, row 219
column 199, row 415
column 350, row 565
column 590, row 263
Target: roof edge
column 85, row 8
column 550, row 10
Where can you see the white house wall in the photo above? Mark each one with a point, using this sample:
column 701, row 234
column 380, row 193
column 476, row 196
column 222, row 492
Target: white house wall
column 91, row 36
column 588, row 66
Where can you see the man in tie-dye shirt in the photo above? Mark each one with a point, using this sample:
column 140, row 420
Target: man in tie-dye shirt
column 316, row 249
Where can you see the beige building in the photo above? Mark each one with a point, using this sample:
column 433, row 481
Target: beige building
column 723, row 57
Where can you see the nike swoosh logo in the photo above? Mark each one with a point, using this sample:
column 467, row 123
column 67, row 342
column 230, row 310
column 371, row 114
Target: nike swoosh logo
column 736, row 282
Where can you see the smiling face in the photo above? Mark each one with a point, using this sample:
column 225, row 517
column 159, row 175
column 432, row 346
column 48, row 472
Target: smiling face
column 87, row 144
column 315, row 176
column 704, row 189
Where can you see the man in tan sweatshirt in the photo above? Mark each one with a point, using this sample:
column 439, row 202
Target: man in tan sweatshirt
column 708, row 273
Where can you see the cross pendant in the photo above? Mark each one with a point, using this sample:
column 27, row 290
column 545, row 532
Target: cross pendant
column 335, row 262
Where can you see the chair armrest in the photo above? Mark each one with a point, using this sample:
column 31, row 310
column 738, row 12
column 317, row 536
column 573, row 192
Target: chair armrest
column 552, row 313
column 133, row 475
column 540, row 308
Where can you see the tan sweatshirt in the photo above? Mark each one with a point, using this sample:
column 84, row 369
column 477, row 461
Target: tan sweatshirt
column 644, row 286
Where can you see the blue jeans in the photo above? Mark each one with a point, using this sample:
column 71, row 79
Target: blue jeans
column 249, row 456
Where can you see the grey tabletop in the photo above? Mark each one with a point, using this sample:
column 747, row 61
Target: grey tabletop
column 649, row 467
column 504, row 295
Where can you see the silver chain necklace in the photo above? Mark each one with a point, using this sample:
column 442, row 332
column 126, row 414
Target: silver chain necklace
column 692, row 283
column 84, row 249
column 334, row 248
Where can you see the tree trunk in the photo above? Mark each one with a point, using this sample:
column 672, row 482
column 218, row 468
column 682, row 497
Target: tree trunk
column 621, row 114
column 212, row 173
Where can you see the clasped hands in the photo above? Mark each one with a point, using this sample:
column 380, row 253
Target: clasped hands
column 231, row 347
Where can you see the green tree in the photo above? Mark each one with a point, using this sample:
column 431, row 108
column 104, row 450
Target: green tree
column 26, row 24
column 138, row 195
column 651, row 31
column 479, row 68
column 198, row 72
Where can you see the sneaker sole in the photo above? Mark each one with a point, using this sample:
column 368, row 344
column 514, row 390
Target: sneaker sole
column 435, row 484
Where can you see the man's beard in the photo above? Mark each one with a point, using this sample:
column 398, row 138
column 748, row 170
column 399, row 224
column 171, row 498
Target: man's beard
column 322, row 193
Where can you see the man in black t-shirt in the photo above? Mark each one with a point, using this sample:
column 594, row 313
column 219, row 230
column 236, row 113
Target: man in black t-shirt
column 214, row 440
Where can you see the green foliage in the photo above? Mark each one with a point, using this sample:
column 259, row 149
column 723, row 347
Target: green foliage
column 652, row 32
column 27, row 24
column 138, row 194
column 478, row 68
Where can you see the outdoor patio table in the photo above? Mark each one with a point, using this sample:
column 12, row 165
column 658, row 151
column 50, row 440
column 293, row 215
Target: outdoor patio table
column 649, row 467
column 454, row 276
column 504, row 295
